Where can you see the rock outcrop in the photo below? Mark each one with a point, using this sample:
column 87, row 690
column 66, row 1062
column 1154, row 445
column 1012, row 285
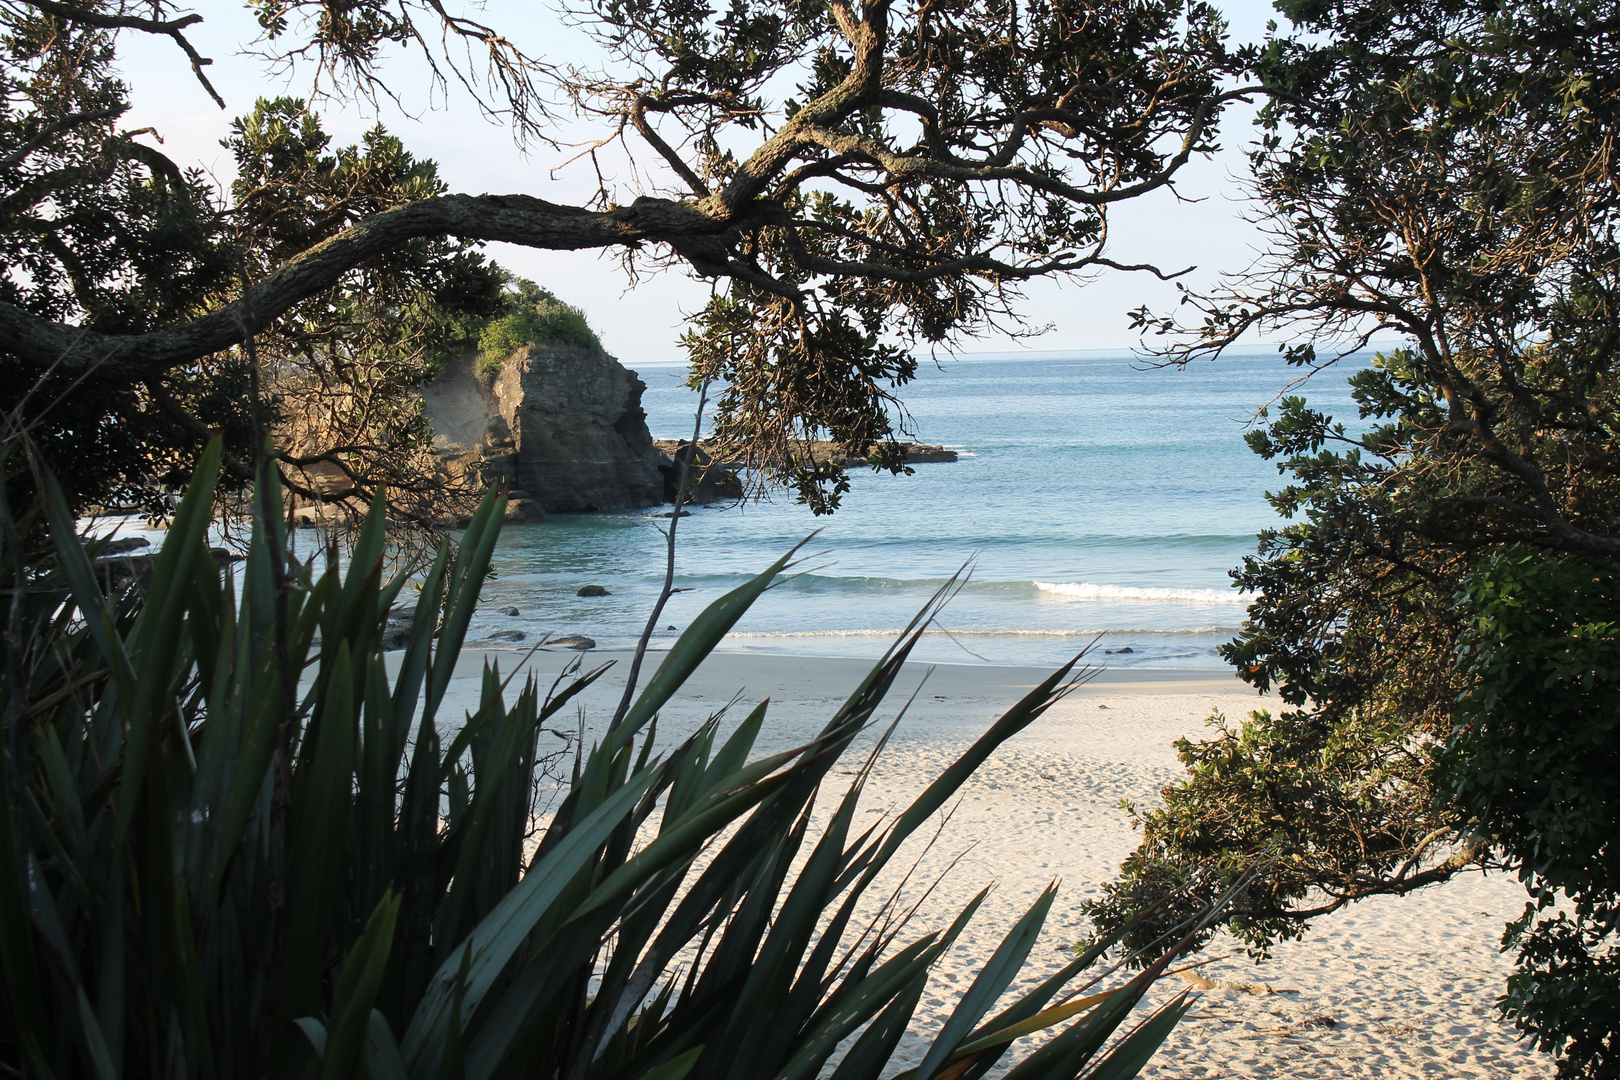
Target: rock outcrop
column 577, row 426
column 561, row 425
column 707, row 480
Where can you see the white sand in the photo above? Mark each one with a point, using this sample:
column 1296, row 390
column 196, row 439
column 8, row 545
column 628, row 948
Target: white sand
column 1408, row 984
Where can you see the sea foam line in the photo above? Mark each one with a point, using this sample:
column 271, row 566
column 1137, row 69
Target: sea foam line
column 977, row 633
column 1084, row 590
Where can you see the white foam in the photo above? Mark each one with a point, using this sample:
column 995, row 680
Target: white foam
column 896, row 631
column 1084, row 590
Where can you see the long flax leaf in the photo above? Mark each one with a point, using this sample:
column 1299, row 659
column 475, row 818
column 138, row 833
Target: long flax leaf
column 321, row 807
column 488, row 948
column 694, row 646
column 988, row 985
column 356, row 990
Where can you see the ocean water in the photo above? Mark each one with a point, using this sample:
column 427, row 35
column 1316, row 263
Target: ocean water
column 1091, row 497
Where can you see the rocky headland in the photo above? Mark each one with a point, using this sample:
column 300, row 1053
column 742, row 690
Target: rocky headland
column 562, row 426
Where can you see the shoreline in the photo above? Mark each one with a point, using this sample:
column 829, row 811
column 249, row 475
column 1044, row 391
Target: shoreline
column 1390, row 987
column 787, row 673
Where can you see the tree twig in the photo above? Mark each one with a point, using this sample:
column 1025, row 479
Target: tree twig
column 681, row 491
column 169, row 28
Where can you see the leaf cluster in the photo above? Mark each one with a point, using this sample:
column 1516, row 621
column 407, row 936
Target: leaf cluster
column 1534, row 767
column 97, row 226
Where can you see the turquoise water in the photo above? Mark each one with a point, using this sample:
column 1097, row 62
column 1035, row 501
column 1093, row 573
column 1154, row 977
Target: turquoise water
column 1091, row 497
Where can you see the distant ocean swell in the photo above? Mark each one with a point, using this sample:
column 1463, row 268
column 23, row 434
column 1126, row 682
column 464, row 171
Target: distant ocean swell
column 1068, row 590
column 1044, row 536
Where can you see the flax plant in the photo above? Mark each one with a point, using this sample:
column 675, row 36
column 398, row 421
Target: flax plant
column 239, row 843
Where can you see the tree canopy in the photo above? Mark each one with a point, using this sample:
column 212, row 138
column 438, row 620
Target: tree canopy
column 1443, row 173
column 860, row 179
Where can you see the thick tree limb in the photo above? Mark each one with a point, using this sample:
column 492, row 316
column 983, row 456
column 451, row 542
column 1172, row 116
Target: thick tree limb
column 517, row 219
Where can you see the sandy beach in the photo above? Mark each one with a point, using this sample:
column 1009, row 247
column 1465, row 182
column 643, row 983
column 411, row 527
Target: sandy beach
column 1389, row 988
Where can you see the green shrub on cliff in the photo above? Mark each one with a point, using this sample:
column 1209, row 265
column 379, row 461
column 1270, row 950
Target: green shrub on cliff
column 236, row 843
column 535, row 317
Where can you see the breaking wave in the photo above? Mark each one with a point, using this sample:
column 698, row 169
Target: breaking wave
column 1083, row 590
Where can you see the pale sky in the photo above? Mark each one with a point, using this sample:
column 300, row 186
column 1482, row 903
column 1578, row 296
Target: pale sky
column 477, row 156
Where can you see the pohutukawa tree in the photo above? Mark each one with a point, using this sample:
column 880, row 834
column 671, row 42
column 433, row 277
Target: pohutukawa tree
column 1442, row 173
column 861, row 180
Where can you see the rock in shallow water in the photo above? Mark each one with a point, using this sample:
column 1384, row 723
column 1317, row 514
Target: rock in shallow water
column 581, row 436
column 508, row 635
column 572, row 641
column 524, row 512
column 593, row 590
column 562, row 425
column 125, row 546
column 397, row 631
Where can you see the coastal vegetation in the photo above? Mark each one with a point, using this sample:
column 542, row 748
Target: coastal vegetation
column 530, row 316
column 247, row 846
column 1437, row 616
column 198, row 777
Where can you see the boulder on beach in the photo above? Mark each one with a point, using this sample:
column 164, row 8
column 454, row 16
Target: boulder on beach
column 571, row 641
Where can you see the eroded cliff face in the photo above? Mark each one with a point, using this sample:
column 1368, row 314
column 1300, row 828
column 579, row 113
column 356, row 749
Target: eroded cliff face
column 561, row 425
column 577, row 425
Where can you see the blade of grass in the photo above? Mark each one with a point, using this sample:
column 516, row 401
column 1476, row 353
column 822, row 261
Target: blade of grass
column 356, row 990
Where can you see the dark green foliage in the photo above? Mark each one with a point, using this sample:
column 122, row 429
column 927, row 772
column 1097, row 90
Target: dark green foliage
column 1440, row 173
column 237, row 843
column 341, row 370
column 98, row 226
column 1534, row 767
column 1535, row 760
column 106, row 231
